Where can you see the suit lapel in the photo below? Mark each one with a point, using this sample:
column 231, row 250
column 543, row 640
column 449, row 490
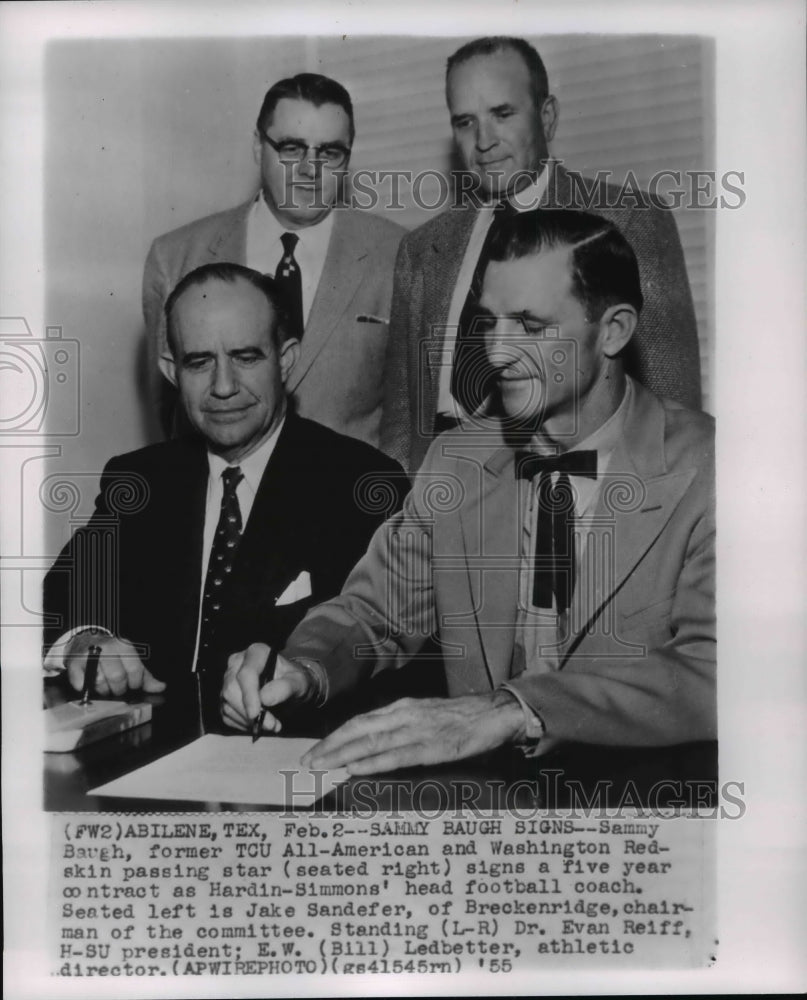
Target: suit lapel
column 636, row 500
column 445, row 254
column 181, row 553
column 492, row 532
column 441, row 268
column 346, row 263
column 272, row 547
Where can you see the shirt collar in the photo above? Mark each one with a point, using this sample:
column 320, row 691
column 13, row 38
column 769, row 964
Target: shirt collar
column 604, row 439
column 313, row 237
column 530, row 197
column 253, row 466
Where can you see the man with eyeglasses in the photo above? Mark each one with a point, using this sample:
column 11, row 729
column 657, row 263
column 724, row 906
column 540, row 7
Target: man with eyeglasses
column 334, row 263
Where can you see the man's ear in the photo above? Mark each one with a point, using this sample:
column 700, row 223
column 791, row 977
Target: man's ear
column 257, row 143
column 616, row 327
column 168, row 367
column 289, row 356
column 550, row 111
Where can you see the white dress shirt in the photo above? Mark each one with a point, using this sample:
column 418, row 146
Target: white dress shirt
column 540, row 631
column 265, row 251
column 523, row 200
column 253, row 468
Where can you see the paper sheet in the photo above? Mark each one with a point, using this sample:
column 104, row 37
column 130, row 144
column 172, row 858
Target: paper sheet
column 230, row 769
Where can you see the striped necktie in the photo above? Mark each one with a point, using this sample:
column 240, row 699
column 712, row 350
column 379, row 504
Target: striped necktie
column 209, row 665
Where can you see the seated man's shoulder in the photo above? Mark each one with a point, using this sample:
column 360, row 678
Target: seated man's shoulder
column 475, row 442
column 144, row 481
column 689, row 437
column 163, row 458
column 351, row 474
column 339, row 451
column 690, row 425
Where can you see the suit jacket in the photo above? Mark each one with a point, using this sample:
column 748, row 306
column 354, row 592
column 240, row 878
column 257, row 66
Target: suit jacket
column 136, row 567
column 663, row 354
column 638, row 666
column 337, row 380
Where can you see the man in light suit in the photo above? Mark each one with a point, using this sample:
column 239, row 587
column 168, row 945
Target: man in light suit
column 503, row 117
column 562, row 551
column 336, row 262
column 176, row 569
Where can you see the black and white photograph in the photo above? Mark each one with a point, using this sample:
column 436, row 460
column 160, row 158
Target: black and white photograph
column 397, row 494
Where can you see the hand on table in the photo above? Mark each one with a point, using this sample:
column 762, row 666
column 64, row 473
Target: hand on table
column 420, row 731
column 243, row 698
column 120, row 669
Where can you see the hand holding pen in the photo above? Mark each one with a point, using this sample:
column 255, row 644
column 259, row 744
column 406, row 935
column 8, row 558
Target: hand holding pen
column 116, row 670
column 90, row 674
column 267, row 674
column 257, row 681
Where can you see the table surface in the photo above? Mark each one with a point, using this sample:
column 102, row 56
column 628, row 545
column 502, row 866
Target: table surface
column 502, row 780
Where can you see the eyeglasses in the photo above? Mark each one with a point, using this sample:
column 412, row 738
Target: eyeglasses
column 331, row 154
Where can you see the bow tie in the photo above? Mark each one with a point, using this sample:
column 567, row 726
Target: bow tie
column 573, row 463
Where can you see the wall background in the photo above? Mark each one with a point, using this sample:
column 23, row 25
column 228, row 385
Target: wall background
column 144, row 135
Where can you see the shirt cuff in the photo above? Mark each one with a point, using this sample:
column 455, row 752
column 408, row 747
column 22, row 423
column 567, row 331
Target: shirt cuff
column 534, row 728
column 54, row 658
column 318, row 681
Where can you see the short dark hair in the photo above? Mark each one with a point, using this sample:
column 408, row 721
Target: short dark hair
column 230, row 272
column 311, row 87
column 539, row 82
column 603, row 264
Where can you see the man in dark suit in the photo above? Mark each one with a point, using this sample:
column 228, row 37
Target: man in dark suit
column 563, row 552
column 225, row 536
column 503, row 118
column 336, row 262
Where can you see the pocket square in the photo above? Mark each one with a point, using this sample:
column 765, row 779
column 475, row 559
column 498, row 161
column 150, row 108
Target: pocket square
column 297, row 590
column 369, row 318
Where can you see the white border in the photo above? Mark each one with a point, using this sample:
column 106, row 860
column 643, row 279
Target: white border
column 760, row 372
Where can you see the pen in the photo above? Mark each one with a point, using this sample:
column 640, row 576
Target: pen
column 90, row 673
column 266, row 675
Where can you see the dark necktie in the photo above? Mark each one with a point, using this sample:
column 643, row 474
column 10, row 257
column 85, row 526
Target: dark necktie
column 290, row 279
column 554, row 566
column 209, row 667
column 470, row 371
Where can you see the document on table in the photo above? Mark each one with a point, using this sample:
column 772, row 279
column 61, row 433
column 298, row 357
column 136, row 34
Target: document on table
column 230, row 769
